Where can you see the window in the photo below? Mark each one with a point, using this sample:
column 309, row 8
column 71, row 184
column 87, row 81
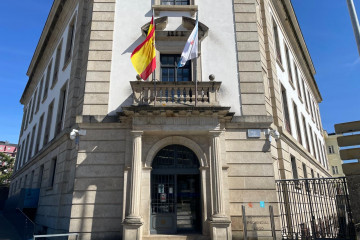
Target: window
column 314, row 183
column 40, row 91
column 47, row 81
column 61, row 110
column 31, row 178
column 288, row 63
column 25, row 181
column 304, row 91
column 297, row 80
column 306, row 134
column 38, row 137
column 277, row 42
column 22, row 124
column 32, row 141
column 27, row 117
column 298, row 131
column 285, row 110
column 26, row 153
column 52, row 171
column 304, row 170
column 168, row 67
column 48, row 123
column 335, row 170
column 20, row 183
column 175, row 2
column 312, row 141
column 294, row 168
column 69, row 42
column 57, row 65
column 32, row 103
column 41, row 173
column 331, row 149
column 18, row 165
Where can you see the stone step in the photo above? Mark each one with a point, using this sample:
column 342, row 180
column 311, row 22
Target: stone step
column 177, row 237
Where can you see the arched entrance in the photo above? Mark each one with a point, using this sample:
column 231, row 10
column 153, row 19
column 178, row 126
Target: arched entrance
column 175, row 191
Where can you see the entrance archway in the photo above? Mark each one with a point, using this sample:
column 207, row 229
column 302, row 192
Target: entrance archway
column 175, row 191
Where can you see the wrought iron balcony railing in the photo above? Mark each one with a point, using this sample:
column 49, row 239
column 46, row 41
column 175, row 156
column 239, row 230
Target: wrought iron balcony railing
column 172, row 94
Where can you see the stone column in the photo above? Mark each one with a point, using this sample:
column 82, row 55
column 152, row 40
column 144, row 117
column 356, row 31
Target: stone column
column 133, row 221
column 220, row 223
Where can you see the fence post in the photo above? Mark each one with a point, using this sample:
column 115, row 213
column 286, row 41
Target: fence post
column 311, row 211
column 272, row 222
column 352, row 232
column 244, row 221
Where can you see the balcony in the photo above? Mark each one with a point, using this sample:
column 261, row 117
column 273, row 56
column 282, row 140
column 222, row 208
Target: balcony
column 175, row 94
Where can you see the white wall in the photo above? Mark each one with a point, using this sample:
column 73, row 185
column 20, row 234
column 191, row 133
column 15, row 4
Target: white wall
column 53, row 94
column 217, row 49
column 292, row 93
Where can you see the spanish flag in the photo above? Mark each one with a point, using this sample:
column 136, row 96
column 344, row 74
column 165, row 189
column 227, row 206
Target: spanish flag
column 143, row 57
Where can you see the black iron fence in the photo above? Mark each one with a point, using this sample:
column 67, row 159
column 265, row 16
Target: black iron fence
column 317, row 208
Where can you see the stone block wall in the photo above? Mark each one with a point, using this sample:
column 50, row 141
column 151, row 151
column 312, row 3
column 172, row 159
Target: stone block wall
column 97, row 204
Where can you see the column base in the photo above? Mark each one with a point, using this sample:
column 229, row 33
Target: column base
column 132, row 228
column 220, row 228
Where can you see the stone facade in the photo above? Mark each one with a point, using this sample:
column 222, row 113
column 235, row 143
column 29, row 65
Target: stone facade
column 101, row 184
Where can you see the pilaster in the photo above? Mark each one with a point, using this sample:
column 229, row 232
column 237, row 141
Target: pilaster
column 220, row 223
column 133, row 220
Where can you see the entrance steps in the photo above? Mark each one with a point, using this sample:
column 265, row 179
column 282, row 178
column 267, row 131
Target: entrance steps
column 176, row 237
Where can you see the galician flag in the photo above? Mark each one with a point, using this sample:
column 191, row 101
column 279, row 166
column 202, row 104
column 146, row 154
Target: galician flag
column 191, row 47
column 143, row 57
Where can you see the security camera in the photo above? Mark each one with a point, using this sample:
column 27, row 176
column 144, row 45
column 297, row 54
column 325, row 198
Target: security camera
column 76, row 132
column 73, row 134
column 272, row 133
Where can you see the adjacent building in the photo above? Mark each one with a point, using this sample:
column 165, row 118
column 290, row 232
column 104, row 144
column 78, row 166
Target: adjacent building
column 333, row 153
column 165, row 156
column 8, row 148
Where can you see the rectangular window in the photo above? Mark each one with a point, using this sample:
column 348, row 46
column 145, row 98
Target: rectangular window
column 318, row 150
column 32, row 141
column 23, row 124
column 47, row 81
column 325, row 155
column 48, row 123
column 18, row 156
column 285, row 110
column 38, row 137
column 26, row 118
column 298, row 130
column 304, row 91
column 31, row 178
column 331, row 149
column 304, row 170
column 69, row 42
column 312, row 141
column 314, row 183
column 33, row 106
column 277, row 42
column 61, row 110
column 306, row 134
column 40, row 91
column 288, row 63
column 19, row 163
column 169, row 67
column 25, row 181
column 297, row 80
column 20, row 183
column 175, row 2
column 57, row 65
column 52, row 171
column 294, row 168
column 41, row 173
column 26, row 153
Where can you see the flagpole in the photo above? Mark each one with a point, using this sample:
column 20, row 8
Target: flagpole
column 154, row 73
column 195, row 66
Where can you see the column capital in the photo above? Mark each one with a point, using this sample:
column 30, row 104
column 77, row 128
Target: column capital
column 215, row 133
column 137, row 133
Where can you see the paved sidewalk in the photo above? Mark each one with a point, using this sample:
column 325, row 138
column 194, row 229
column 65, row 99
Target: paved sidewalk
column 7, row 230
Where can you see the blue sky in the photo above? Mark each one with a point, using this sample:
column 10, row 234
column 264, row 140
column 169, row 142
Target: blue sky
column 325, row 25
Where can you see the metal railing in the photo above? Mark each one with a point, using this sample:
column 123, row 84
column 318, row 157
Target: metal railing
column 56, row 235
column 315, row 208
column 163, row 94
